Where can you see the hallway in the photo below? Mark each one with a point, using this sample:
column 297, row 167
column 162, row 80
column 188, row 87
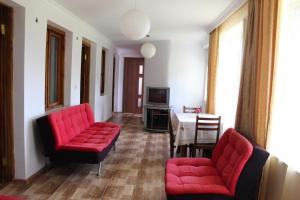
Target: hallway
column 135, row 171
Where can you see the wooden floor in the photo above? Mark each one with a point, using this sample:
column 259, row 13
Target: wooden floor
column 135, row 171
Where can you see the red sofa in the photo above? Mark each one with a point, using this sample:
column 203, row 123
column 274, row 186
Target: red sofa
column 73, row 135
column 233, row 172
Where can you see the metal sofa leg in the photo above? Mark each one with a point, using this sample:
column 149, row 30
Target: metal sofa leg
column 99, row 169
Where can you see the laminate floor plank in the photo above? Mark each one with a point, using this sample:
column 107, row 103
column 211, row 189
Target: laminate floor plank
column 134, row 171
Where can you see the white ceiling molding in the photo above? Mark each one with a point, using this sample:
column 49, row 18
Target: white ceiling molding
column 226, row 13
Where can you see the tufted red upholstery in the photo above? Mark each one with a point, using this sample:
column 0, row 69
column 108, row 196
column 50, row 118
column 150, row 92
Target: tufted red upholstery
column 230, row 157
column 94, row 138
column 74, row 128
column 218, row 175
column 190, row 176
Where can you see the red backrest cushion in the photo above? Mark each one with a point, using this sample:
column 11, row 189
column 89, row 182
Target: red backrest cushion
column 69, row 122
column 230, row 156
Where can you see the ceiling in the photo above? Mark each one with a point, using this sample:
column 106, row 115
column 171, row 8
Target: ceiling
column 169, row 18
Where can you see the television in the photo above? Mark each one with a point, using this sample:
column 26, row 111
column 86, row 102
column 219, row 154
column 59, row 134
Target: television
column 158, row 96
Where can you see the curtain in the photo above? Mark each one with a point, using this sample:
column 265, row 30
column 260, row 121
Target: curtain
column 229, row 66
column 253, row 110
column 279, row 182
column 285, row 112
column 214, row 55
column 281, row 178
column 212, row 70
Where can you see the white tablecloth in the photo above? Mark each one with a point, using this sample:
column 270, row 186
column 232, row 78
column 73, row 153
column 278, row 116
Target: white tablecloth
column 185, row 129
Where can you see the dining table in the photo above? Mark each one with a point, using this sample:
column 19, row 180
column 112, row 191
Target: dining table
column 185, row 124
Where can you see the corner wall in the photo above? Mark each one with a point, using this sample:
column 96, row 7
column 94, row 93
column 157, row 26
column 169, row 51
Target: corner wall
column 181, row 66
column 178, row 64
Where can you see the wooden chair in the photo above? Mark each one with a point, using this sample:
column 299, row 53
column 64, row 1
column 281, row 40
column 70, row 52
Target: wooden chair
column 208, row 125
column 191, row 109
column 172, row 136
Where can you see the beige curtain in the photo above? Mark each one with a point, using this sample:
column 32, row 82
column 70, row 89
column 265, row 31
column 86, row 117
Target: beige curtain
column 212, row 70
column 279, row 181
column 213, row 57
column 253, row 109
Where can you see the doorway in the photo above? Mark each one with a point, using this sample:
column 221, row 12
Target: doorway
column 6, row 78
column 113, row 86
column 133, row 85
column 85, row 73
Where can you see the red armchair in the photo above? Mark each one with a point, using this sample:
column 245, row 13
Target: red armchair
column 233, row 172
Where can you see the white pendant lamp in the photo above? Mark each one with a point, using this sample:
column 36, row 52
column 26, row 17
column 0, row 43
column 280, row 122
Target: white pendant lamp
column 135, row 24
column 148, row 50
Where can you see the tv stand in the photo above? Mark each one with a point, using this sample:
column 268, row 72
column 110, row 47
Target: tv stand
column 156, row 118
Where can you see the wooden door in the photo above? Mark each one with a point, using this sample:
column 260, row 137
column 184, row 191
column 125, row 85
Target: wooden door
column 85, row 73
column 133, row 85
column 6, row 75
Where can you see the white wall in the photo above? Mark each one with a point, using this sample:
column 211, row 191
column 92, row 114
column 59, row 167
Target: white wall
column 29, row 73
column 180, row 65
column 157, row 68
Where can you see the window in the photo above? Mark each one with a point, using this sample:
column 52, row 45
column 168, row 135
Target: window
column 102, row 86
column 284, row 133
column 54, row 68
column 140, row 85
column 229, row 72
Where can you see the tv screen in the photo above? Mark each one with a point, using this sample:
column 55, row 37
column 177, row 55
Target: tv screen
column 158, row 95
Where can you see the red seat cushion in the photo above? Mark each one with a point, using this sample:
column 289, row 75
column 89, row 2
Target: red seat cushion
column 93, row 139
column 193, row 176
column 218, row 175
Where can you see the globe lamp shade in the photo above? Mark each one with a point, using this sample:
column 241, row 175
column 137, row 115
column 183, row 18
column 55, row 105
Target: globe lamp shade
column 148, row 50
column 135, row 24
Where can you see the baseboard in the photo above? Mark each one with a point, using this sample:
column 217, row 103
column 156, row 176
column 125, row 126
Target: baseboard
column 31, row 178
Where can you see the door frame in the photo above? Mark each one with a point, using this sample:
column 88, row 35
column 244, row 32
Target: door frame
column 86, row 85
column 113, row 84
column 7, row 164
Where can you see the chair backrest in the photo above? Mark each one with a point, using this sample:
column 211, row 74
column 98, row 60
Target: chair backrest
column 208, row 125
column 172, row 136
column 192, row 109
column 230, row 156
